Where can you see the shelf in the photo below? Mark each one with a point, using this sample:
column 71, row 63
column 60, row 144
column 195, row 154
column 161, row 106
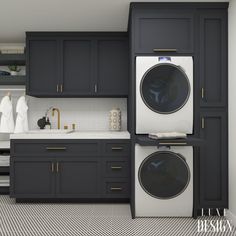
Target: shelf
column 12, row 80
column 144, row 140
column 12, row 59
column 4, row 170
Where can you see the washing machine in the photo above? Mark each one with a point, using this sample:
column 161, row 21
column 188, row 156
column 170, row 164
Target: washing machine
column 164, row 94
column 163, row 181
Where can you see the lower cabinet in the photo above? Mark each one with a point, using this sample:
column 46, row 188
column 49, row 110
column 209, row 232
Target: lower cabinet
column 32, row 178
column 78, row 178
column 58, row 172
column 213, row 166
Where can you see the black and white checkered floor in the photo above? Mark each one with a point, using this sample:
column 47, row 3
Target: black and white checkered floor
column 87, row 219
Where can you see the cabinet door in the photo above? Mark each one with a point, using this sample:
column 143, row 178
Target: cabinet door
column 32, row 178
column 78, row 177
column 112, row 67
column 42, row 67
column 214, row 161
column 78, row 66
column 213, row 58
column 156, row 29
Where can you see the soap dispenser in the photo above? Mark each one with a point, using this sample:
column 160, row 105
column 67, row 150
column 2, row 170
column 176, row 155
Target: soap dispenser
column 48, row 124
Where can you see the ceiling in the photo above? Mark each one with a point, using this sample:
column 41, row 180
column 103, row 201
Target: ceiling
column 18, row 16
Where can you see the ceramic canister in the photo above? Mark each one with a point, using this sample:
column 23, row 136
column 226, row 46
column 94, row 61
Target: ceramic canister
column 115, row 119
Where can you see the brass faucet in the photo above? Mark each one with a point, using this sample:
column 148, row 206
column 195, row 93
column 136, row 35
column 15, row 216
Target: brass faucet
column 58, row 117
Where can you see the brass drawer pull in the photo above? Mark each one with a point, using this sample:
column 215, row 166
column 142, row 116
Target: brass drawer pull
column 55, row 148
column 164, row 50
column 117, row 148
column 203, row 123
column 57, row 167
column 52, row 167
column 202, row 92
column 116, row 189
column 183, row 143
column 116, row 167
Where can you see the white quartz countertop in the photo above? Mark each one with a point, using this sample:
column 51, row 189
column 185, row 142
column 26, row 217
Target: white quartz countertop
column 74, row 135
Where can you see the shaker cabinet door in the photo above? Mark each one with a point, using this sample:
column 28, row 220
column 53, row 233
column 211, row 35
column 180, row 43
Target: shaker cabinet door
column 78, row 177
column 214, row 160
column 213, row 58
column 112, row 67
column 32, row 178
column 42, row 65
column 77, row 67
column 158, row 30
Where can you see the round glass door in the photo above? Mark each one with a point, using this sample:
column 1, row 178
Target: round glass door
column 164, row 175
column 165, row 88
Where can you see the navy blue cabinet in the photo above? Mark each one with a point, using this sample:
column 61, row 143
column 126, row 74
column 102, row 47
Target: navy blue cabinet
column 157, row 30
column 213, row 58
column 214, row 160
column 77, row 64
column 63, row 169
column 42, row 67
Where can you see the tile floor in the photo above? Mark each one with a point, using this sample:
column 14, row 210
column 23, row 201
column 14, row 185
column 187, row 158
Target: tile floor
column 69, row 219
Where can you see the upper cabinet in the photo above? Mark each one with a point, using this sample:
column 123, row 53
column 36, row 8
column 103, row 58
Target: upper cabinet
column 112, row 66
column 213, row 57
column 42, row 67
column 162, row 30
column 77, row 67
column 77, row 64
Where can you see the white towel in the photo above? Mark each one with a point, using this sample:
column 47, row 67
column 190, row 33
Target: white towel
column 7, row 121
column 170, row 135
column 22, row 116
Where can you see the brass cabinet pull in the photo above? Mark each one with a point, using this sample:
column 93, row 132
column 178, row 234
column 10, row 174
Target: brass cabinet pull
column 164, row 50
column 203, row 123
column 117, row 148
column 116, row 189
column 57, row 167
column 202, row 92
column 61, row 88
column 55, row 148
column 57, row 88
column 116, row 167
column 52, row 167
column 182, row 143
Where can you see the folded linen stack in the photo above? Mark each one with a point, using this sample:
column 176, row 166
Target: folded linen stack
column 170, row 135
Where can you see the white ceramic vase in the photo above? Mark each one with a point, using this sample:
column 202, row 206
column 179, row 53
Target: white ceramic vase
column 115, row 119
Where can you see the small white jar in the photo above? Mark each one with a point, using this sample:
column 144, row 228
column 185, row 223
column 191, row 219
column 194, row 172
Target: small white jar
column 115, row 119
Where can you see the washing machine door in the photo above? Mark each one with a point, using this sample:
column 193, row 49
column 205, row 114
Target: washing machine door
column 164, row 174
column 165, row 88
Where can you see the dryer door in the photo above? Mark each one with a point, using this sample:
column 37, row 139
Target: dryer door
column 164, row 174
column 165, row 88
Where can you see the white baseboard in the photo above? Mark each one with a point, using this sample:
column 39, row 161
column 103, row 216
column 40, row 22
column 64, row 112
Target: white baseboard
column 230, row 216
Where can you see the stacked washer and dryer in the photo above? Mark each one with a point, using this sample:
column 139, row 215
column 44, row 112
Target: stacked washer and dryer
column 164, row 103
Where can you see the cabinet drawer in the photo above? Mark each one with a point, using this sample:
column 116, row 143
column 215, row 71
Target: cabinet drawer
column 116, row 168
column 116, row 148
column 52, row 148
column 117, row 187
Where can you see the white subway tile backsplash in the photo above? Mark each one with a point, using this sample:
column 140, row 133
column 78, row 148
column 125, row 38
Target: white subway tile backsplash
column 86, row 113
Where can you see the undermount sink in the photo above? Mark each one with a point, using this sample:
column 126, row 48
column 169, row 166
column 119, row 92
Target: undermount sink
column 50, row 131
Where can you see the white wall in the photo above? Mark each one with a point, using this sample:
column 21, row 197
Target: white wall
column 86, row 113
column 232, row 111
